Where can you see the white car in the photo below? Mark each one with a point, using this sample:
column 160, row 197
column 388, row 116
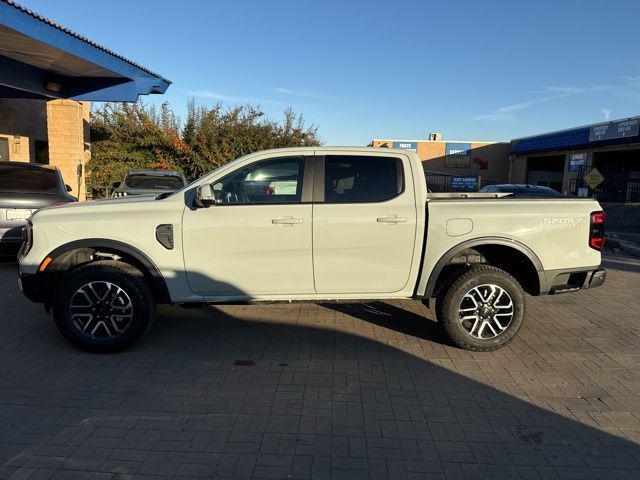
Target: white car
column 317, row 224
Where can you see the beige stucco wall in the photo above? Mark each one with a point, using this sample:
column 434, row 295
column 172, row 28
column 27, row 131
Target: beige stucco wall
column 63, row 123
column 490, row 160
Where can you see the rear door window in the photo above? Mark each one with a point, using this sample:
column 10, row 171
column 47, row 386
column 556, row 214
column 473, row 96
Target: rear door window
column 362, row 179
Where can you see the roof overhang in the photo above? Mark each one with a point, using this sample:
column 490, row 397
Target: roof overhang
column 615, row 132
column 41, row 59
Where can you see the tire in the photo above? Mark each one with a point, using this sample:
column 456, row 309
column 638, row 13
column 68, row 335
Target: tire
column 475, row 312
column 442, row 289
column 104, row 306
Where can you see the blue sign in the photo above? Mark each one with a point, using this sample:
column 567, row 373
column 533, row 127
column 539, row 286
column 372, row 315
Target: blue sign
column 411, row 146
column 577, row 161
column 458, row 149
column 464, row 182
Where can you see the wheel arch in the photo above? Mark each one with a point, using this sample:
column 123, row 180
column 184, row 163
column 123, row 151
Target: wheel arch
column 69, row 256
column 491, row 249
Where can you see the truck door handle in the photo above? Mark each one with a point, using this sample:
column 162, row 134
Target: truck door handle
column 286, row 221
column 391, row 219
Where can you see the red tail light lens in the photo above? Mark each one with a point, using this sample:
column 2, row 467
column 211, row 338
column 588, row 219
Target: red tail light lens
column 55, row 204
column 596, row 230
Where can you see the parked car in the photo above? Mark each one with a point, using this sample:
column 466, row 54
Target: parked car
column 522, row 190
column 24, row 188
column 149, row 182
column 309, row 224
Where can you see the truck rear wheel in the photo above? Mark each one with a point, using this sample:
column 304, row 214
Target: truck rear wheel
column 104, row 306
column 483, row 309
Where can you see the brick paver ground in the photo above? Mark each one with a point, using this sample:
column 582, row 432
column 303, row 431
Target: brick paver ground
column 335, row 391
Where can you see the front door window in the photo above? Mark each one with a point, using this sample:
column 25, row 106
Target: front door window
column 266, row 182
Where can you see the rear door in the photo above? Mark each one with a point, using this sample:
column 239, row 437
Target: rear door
column 364, row 223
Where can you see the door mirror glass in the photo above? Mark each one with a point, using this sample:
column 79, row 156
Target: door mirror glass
column 205, row 196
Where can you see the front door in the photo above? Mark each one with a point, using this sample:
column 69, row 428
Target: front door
column 364, row 225
column 256, row 239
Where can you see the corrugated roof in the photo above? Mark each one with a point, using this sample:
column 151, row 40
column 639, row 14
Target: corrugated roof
column 77, row 36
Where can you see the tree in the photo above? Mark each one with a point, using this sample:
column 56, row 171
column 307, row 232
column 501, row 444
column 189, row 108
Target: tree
column 126, row 136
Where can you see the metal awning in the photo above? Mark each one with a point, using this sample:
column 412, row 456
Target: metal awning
column 615, row 132
column 42, row 59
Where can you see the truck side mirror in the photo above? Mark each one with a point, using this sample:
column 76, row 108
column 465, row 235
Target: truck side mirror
column 205, row 196
column 68, row 187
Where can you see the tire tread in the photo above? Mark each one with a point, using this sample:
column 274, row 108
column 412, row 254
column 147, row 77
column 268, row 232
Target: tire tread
column 455, row 335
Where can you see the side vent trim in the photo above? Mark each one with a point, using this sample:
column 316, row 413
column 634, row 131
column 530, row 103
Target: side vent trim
column 164, row 235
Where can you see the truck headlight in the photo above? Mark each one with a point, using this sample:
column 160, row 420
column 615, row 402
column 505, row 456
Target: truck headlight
column 27, row 238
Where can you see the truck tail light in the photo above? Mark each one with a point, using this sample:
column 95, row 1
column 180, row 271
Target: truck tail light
column 596, row 230
column 62, row 202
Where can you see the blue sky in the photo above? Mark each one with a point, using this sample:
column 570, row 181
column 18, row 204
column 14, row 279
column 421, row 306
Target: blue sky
column 472, row 70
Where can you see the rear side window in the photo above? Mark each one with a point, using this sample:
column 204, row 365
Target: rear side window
column 27, row 179
column 359, row 179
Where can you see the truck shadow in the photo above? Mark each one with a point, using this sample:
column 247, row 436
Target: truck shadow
column 314, row 385
column 318, row 391
column 394, row 318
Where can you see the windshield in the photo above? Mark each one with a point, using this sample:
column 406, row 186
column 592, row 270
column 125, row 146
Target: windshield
column 153, row 182
column 30, row 179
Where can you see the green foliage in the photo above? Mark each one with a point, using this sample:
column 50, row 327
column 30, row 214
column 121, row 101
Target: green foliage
column 126, row 136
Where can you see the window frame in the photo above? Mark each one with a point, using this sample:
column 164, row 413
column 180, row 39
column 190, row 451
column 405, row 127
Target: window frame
column 319, row 179
column 306, row 177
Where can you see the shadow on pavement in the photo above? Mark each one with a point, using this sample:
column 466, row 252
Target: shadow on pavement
column 316, row 395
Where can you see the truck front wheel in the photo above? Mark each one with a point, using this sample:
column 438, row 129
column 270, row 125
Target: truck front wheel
column 483, row 309
column 103, row 306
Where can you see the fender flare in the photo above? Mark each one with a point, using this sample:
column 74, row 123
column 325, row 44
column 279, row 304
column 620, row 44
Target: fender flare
column 482, row 241
column 159, row 283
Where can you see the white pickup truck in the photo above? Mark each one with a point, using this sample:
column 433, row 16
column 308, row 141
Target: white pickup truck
column 308, row 224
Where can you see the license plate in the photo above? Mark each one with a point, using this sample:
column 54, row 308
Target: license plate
column 18, row 213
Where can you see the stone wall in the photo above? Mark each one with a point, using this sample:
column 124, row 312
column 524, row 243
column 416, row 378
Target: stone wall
column 22, row 122
column 64, row 124
column 69, row 146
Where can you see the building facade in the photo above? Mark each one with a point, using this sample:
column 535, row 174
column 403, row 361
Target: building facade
column 601, row 160
column 48, row 76
column 54, row 132
column 457, row 165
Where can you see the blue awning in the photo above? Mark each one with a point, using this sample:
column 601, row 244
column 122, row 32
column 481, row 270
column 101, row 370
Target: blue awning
column 42, row 59
column 615, row 132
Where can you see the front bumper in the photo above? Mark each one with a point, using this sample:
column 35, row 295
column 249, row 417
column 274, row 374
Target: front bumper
column 29, row 285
